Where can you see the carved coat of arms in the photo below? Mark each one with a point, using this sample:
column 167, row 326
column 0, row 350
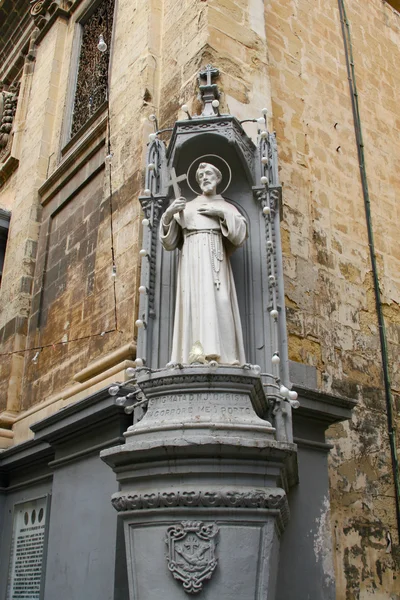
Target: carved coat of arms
column 191, row 553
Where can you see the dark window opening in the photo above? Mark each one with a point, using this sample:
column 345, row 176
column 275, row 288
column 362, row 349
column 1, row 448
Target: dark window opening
column 4, row 224
column 394, row 3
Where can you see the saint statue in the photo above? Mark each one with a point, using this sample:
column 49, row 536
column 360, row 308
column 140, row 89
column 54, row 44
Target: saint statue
column 207, row 230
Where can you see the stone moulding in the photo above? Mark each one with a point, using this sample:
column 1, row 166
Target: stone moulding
column 152, row 208
column 195, row 378
column 7, row 168
column 271, row 499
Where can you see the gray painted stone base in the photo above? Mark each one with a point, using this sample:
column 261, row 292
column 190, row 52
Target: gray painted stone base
column 168, row 482
column 246, row 553
column 203, row 470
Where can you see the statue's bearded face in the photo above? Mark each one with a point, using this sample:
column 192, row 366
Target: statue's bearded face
column 208, row 179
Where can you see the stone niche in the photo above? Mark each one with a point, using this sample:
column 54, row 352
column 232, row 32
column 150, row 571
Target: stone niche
column 254, row 265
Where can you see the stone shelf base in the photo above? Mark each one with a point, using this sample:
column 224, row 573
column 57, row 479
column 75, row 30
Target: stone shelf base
column 203, row 485
column 221, row 404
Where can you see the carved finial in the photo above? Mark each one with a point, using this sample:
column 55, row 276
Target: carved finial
column 208, row 89
column 208, row 74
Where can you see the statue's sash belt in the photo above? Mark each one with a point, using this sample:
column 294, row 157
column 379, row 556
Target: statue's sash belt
column 188, row 232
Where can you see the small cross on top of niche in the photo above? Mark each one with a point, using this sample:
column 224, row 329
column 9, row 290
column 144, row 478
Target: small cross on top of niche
column 208, row 89
column 209, row 74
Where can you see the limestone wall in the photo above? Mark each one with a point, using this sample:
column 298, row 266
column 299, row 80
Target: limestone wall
column 33, row 127
column 330, row 301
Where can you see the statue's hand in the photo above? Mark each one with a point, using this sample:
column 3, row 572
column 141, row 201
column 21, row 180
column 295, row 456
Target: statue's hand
column 175, row 207
column 211, row 212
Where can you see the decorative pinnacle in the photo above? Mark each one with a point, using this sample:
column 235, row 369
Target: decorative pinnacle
column 208, row 89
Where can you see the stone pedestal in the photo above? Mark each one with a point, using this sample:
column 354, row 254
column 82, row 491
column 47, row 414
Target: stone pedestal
column 203, row 488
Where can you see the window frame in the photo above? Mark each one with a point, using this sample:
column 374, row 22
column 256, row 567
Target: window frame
column 69, row 142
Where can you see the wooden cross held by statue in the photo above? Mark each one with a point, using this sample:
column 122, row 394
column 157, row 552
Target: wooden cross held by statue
column 177, row 192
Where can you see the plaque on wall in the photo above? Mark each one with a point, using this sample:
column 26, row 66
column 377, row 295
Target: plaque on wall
column 27, row 558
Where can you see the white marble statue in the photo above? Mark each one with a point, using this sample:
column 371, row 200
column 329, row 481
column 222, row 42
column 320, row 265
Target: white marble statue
column 207, row 230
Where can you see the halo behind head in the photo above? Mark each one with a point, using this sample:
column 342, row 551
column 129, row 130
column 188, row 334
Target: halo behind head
column 212, row 159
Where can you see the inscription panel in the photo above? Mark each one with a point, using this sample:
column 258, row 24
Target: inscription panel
column 202, row 406
column 28, row 550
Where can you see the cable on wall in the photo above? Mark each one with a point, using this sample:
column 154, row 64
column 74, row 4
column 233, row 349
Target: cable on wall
column 102, row 47
column 348, row 49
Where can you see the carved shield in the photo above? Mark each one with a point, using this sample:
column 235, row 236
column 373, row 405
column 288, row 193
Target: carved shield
column 191, row 553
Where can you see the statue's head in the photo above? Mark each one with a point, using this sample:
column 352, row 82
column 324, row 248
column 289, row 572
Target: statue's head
column 208, row 177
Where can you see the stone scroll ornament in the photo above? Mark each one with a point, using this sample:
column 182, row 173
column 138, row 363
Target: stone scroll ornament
column 191, row 553
column 42, row 10
column 8, row 106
